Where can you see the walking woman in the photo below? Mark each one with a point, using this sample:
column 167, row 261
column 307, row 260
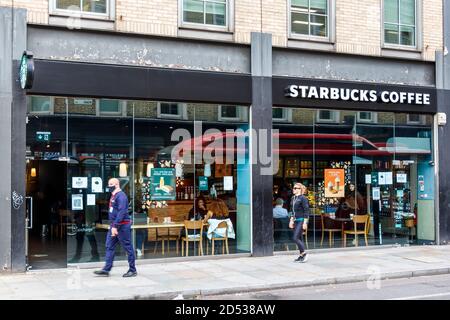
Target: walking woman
column 299, row 218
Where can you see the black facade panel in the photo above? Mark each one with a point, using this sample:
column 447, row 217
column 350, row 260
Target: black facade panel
column 280, row 84
column 62, row 78
column 262, row 184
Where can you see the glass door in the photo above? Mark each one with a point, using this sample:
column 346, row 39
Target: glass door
column 46, row 183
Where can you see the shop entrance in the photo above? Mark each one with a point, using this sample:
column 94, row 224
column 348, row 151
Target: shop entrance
column 46, row 218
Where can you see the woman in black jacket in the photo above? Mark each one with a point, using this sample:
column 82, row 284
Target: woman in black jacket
column 299, row 218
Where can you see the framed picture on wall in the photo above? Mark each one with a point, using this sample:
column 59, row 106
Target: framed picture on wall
column 292, row 168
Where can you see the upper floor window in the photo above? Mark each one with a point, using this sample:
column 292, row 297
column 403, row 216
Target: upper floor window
column 206, row 12
column 171, row 110
column 415, row 119
column 84, row 8
column 400, row 22
column 327, row 116
column 364, row 116
column 282, row 115
column 40, row 105
column 232, row 113
column 110, row 107
column 310, row 18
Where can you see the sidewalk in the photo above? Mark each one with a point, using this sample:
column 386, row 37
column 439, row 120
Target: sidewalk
column 209, row 277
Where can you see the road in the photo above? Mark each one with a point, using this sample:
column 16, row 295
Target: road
column 421, row 288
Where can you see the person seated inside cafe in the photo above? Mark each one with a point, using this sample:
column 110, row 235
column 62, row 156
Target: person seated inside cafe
column 280, row 221
column 199, row 211
column 217, row 209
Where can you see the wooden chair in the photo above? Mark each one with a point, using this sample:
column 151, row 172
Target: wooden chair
column 330, row 231
column 166, row 237
column 222, row 225
column 357, row 220
column 197, row 237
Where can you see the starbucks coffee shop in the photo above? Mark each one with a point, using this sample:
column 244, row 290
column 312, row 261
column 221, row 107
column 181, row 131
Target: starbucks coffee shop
column 75, row 123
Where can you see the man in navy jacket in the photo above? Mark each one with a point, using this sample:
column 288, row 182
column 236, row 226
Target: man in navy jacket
column 119, row 231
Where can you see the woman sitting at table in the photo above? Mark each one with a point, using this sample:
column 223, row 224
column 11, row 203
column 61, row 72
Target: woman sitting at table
column 217, row 210
column 199, row 211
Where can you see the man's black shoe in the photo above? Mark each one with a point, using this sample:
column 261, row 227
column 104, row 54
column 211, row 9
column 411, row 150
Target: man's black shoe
column 130, row 274
column 299, row 259
column 101, row 273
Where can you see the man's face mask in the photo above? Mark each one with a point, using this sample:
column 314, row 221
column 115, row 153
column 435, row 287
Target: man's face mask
column 111, row 188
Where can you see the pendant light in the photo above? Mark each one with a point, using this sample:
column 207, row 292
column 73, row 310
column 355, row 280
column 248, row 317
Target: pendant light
column 150, row 166
column 123, row 170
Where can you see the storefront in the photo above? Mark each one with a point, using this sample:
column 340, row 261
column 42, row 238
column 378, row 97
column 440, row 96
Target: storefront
column 361, row 150
column 360, row 147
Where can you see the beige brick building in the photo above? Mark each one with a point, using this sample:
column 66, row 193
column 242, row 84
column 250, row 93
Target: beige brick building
column 355, row 27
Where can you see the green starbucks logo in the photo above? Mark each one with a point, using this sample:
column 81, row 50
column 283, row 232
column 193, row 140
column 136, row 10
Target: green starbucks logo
column 26, row 70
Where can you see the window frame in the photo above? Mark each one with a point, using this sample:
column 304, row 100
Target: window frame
column 287, row 115
column 331, row 38
column 374, row 117
column 240, row 114
column 418, row 29
column 51, row 110
column 109, row 15
column 422, row 120
column 336, row 116
column 229, row 21
column 182, row 111
column 121, row 112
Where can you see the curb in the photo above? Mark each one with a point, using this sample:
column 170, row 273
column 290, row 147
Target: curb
column 195, row 294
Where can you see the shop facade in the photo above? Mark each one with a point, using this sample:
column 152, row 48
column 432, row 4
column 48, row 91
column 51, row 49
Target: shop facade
column 94, row 113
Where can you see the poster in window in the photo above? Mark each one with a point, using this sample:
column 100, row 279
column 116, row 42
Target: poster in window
column 79, row 182
column 77, row 202
column 163, row 184
column 292, row 168
column 334, row 183
column 97, row 185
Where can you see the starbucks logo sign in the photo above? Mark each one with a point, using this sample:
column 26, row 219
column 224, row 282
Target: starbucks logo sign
column 26, row 71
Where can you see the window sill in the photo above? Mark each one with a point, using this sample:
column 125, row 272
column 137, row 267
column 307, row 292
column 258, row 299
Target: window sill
column 73, row 22
column 311, row 44
column 205, row 33
column 401, row 52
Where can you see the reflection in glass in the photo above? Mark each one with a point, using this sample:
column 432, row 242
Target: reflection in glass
column 388, row 180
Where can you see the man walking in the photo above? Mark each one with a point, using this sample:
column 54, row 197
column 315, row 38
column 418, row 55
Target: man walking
column 119, row 231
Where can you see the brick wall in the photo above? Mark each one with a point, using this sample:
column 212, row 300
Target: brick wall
column 358, row 23
column 358, row 27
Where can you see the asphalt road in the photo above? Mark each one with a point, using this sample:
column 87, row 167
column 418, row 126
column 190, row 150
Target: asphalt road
column 421, row 288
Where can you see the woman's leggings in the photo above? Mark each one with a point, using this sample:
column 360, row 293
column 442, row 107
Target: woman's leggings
column 298, row 236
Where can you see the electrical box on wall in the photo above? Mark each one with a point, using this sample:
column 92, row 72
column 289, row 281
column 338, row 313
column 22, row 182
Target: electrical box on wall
column 442, row 119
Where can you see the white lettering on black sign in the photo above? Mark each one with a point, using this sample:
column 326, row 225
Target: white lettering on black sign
column 357, row 95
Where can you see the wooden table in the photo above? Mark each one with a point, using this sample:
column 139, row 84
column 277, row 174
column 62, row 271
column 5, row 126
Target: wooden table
column 152, row 225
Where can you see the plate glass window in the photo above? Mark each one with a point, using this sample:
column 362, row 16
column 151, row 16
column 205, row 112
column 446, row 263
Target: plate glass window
column 400, row 22
column 310, row 17
column 207, row 12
